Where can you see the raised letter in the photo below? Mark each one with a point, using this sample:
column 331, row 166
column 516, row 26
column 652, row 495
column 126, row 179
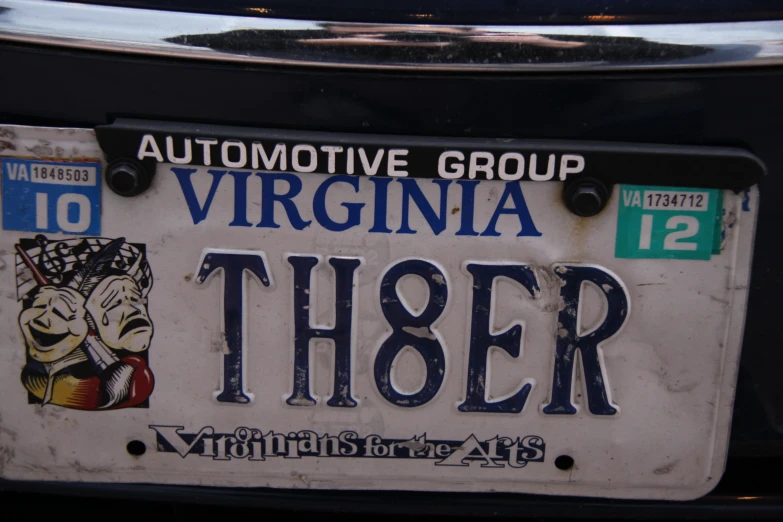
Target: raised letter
column 341, row 334
column 235, row 265
column 569, row 339
column 412, row 330
column 482, row 338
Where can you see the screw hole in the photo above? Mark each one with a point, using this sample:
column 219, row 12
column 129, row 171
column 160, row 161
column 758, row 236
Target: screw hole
column 137, row 448
column 564, row 462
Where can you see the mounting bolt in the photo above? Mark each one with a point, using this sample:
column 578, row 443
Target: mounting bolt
column 586, row 197
column 127, row 177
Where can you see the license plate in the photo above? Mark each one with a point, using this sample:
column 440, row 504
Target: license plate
column 285, row 317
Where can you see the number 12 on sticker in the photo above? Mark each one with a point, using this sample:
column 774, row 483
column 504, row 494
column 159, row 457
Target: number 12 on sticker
column 667, row 222
column 672, row 240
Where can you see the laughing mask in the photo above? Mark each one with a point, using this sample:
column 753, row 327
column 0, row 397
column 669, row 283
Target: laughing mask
column 54, row 324
column 119, row 310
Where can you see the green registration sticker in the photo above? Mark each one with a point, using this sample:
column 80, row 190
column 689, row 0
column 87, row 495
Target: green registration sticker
column 667, row 222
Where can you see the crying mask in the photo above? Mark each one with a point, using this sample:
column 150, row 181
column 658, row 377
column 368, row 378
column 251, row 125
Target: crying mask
column 119, row 310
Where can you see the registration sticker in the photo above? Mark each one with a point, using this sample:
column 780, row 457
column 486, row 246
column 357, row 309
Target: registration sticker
column 51, row 196
column 667, row 222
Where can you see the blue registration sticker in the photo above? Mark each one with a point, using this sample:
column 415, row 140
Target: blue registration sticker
column 51, row 196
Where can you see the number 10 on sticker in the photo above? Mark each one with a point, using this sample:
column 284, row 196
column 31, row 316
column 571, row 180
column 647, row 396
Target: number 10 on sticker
column 73, row 212
column 667, row 222
column 51, row 196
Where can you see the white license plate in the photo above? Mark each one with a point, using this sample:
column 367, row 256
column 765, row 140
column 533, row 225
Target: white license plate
column 361, row 332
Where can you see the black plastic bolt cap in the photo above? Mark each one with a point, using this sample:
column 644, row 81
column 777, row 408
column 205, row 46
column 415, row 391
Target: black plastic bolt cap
column 127, row 177
column 586, row 197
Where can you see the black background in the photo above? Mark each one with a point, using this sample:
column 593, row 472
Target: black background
column 731, row 107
